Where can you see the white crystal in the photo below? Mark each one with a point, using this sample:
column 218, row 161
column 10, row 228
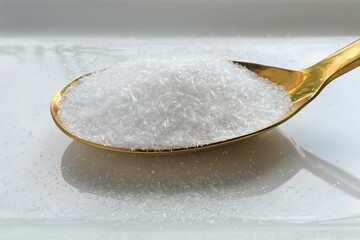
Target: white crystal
column 171, row 103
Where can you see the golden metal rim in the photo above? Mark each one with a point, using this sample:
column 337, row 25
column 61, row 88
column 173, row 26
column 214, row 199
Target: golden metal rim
column 54, row 107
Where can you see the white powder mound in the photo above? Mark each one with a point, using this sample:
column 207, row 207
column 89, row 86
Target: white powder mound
column 171, row 103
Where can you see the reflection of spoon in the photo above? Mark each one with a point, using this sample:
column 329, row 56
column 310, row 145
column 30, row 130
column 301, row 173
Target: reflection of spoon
column 302, row 85
column 251, row 167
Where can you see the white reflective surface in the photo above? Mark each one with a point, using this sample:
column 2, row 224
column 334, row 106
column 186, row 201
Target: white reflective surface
column 308, row 186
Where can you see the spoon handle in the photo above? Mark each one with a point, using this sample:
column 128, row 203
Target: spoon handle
column 339, row 63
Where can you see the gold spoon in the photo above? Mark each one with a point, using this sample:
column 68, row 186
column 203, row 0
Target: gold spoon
column 302, row 85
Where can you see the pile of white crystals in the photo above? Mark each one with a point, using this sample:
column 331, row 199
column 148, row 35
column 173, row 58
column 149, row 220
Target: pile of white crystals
column 170, row 103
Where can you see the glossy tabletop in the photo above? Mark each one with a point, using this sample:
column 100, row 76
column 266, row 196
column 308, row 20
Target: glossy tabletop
column 302, row 177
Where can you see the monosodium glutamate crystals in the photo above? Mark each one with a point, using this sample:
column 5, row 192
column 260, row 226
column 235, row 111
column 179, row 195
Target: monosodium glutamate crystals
column 170, row 103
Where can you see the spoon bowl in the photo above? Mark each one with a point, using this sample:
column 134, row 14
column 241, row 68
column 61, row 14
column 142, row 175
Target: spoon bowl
column 302, row 85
